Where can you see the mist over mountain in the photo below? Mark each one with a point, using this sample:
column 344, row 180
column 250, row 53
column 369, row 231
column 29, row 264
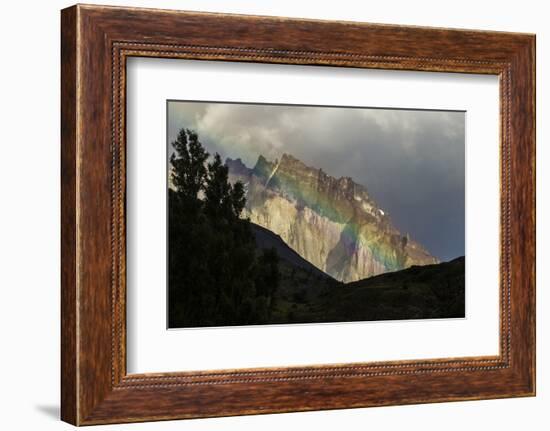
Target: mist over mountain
column 332, row 223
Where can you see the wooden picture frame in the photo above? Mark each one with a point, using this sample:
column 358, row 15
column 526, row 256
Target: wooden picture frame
column 95, row 43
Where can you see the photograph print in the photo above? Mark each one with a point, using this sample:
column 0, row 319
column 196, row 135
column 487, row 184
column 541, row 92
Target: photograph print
column 296, row 214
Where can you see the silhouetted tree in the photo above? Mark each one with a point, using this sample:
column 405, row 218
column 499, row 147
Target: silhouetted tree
column 215, row 275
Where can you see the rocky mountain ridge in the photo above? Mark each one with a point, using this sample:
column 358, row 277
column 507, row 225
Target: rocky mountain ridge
column 331, row 222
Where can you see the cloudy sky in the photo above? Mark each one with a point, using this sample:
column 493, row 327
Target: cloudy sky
column 411, row 162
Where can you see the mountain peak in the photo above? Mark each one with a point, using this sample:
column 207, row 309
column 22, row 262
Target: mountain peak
column 331, row 222
column 237, row 167
column 291, row 162
column 286, row 157
column 263, row 167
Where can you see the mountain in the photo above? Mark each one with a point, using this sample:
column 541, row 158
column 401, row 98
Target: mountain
column 419, row 292
column 308, row 295
column 265, row 239
column 332, row 223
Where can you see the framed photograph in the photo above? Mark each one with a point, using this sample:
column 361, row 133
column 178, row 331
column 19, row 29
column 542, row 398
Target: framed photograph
column 260, row 240
column 265, row 214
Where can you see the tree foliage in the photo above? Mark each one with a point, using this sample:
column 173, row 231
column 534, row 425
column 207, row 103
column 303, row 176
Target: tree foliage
column 216, row 276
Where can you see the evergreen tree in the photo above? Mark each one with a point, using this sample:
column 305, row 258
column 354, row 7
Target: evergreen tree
column 215, row 275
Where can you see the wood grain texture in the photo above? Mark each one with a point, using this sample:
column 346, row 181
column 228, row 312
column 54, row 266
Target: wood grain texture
column 96, row 41
column 69, row 397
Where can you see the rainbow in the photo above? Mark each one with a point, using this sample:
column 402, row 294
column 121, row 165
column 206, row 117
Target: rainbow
column 359, row 222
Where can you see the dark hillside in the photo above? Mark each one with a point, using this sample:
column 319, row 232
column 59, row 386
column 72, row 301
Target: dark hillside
column 267, row 239
column 308, row 295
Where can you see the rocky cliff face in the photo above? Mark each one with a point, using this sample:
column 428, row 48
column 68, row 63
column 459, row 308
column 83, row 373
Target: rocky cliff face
column 331, row 222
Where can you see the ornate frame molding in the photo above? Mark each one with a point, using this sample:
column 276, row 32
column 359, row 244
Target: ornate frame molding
column 96, row 41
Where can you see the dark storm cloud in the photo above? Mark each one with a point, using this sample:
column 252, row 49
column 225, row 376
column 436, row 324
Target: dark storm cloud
column 412, row 162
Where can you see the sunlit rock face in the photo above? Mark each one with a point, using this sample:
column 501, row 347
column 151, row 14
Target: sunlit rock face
column 331, row 222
